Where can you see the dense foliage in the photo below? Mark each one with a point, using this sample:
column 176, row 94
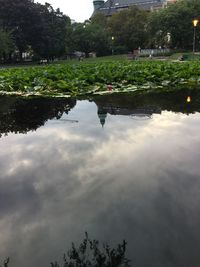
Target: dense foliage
column 129, row 28
column 89, row 253
column 90, row 37
column 45, row 33
column 6, row 44
column 100, row 77
column 32, row 27
column 175, row 21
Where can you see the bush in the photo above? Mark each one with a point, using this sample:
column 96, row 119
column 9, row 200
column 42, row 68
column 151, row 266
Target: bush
column 5, row 263
column 91, row 254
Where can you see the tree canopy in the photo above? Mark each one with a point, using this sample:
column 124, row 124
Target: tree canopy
column 34, row 25
column 129, row 28
column 48, row 33
column 6, row 45
column 176, row 21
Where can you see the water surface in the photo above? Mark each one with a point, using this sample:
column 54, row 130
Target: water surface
column 118, row 167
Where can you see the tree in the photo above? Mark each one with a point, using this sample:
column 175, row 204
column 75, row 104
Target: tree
column 129, row 28
column 101, row 40
column 16, row 17
column 101, row 36
column 6, row 45
column 101, row 20
column 34, row 25
column 175, row 21
column 90, row 37
column 50, row 41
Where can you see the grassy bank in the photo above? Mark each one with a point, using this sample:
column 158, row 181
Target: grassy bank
column 101, row 77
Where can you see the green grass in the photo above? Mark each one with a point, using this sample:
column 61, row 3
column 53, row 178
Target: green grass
column 69, row 61
column 187, row 56
column 115, row 58
column 94, row 60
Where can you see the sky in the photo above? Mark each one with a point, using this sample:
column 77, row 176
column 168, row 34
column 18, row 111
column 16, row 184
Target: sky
column 79, row 10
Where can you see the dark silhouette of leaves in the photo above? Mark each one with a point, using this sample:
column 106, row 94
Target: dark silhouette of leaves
column 91, row 254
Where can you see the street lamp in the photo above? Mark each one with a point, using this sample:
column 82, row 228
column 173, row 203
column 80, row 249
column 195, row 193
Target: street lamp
column 113, row 38
column 195, row 23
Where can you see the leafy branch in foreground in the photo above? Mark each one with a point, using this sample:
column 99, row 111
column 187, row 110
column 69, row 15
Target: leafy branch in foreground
column 5, row 263
column 91, row 254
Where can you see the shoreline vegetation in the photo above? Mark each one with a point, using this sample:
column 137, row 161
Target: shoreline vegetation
column 100, row 77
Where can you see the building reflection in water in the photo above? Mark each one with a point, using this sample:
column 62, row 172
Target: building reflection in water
column 138, row 113
column 19, row 115
column 141, row 107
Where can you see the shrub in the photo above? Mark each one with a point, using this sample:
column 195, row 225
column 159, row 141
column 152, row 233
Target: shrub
column 90, row 254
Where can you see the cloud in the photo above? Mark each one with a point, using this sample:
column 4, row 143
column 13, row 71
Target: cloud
column 133, row 179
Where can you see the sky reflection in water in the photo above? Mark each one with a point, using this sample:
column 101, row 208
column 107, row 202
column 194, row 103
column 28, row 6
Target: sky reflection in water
column 135, row 179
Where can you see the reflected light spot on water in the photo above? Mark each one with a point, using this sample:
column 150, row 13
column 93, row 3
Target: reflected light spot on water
column 189, row 99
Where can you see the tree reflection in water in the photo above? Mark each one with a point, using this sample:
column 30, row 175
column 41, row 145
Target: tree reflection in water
column 20, row 115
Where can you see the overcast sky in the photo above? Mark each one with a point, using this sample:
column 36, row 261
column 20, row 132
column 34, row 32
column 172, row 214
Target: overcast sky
column 79, row 10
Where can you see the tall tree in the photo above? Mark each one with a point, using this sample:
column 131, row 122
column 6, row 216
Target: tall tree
column 6, row 45
column 129, row 28
column 50, row 41
column 90, row 37
column 176, row 21
column 16, row 17
column 35, row 25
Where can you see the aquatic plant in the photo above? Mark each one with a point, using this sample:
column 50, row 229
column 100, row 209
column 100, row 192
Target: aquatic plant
column 100, row 78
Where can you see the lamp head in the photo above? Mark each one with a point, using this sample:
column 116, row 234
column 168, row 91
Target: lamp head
column 195, row 22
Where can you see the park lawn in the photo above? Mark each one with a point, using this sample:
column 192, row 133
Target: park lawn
column 100, row 76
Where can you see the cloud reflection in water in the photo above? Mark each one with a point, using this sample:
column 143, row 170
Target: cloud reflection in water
column 137, row 180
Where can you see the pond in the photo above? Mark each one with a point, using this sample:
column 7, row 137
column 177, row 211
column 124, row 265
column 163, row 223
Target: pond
column 116, row 166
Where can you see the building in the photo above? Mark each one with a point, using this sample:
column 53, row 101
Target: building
column 110, row 7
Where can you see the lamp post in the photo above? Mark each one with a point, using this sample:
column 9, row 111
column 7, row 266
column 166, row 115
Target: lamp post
column 195, row 23
column 113, row 38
